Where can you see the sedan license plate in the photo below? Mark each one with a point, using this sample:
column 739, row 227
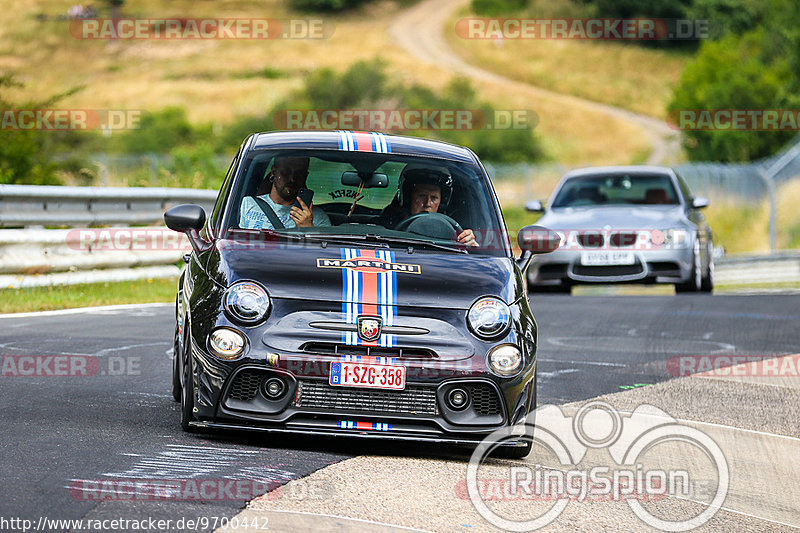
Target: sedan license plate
column 348, row 374
column 604, row 258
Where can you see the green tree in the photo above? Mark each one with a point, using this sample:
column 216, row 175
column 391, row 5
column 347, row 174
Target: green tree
column 735, row 73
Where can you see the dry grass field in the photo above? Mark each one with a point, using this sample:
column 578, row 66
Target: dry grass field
column 621, row 74
column 217, row 80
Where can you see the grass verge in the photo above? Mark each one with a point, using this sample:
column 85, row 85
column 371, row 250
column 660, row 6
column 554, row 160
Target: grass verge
column 87, row 295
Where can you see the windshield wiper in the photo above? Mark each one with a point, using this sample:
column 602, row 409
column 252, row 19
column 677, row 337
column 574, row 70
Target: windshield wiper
column 345, row 238
column 410, row 241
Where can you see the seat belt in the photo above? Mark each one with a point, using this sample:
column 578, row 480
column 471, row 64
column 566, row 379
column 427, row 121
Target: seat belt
column 270, row 213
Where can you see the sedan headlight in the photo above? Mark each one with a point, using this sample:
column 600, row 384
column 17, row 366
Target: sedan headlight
column 226, row 343
column 489, row 318
column 505, row 360
column 670, row 238
column 246, row 302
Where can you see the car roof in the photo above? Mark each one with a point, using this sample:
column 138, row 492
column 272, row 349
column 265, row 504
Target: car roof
column 362, row 141
column 627, row 169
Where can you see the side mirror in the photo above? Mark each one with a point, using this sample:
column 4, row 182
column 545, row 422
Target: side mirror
column 188, row 219
column 534, row 206
column 538, row 240
column 185, row 217
column 375, row 180
column 699, row 202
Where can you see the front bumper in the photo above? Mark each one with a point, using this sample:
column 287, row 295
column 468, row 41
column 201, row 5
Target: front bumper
column 233, row 397
column 650, row 266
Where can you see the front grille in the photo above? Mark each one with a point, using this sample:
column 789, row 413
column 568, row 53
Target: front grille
column 245, row 386
column 330, row 348
column 485, row 400
column 590, row 239
column 608, row 271
column 664, row 268
column 623, row 239
column 412, row 400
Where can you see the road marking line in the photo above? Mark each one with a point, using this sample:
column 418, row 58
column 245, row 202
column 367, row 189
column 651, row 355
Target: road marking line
column 340, row 517
column 75, row 310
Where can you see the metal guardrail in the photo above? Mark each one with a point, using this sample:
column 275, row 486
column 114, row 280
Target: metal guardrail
column 36, row 257
column 45, row 205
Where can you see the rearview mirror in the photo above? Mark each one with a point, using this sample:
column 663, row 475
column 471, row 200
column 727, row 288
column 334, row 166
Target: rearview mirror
column 188, row 219
column 375, row 180
column 538, row 240
column 185, row 217
column 534, row 206
column 699, row 202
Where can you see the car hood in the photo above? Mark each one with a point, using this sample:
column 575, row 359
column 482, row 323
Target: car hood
column 628, row 218
column 368, row 276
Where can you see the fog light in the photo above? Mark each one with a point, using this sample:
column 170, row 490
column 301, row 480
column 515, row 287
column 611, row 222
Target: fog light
column 274, row 388
column 505, row 360
column 457, row 399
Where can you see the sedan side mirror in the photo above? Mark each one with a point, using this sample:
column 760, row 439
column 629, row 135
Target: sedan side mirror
column 699, row 202
column 534, row 206
column 538, row 240
column 188, row 219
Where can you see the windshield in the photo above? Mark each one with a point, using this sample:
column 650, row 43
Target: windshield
column 370, row 199
column 614, row 189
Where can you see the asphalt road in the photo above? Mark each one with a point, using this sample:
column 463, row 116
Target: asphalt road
column 64, row 435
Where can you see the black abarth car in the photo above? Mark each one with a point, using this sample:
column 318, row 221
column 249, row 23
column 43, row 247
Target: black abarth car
column 354, row 283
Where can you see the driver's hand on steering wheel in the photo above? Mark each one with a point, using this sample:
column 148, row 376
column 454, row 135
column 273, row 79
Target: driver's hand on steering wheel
column 467, row 237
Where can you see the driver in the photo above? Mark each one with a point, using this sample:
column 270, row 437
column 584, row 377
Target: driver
column 422, row 190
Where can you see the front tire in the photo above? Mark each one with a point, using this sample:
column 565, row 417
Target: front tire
column 176, row 367
column 695, row 281
column 187, row 395
column 707, row 284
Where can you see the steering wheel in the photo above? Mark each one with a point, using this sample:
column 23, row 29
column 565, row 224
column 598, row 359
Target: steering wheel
column 435, row 225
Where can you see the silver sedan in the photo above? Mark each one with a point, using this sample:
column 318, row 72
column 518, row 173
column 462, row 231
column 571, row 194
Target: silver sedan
column 627, row 224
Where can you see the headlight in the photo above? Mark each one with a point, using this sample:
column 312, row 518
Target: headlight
column 246, row 302
column 505, row 359
column 488, row 318
column 671, row 238
column 226, row 343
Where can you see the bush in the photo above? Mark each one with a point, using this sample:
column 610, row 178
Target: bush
column 365, row 85
column 492, row 8
column 159, row 132
column 324, row 5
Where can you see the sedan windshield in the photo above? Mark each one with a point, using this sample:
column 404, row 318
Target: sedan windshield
column 615, row 189
column 366, row 199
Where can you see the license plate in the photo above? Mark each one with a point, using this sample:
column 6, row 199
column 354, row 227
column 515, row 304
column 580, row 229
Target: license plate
column 607, row 258
column 371, row 376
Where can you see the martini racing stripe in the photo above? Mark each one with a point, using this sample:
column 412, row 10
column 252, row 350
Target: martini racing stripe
column 363, row 141
column 368, row 293
column 351, row 424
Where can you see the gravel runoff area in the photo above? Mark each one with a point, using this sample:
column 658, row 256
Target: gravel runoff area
column 752, row 419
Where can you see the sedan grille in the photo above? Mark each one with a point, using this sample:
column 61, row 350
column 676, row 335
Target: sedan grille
column 412, row 400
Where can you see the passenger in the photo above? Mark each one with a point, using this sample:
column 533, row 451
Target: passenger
column 287, row 176
column 422, row 190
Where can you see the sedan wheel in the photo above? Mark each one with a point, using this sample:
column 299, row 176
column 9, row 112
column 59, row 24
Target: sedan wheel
column 694, row 283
